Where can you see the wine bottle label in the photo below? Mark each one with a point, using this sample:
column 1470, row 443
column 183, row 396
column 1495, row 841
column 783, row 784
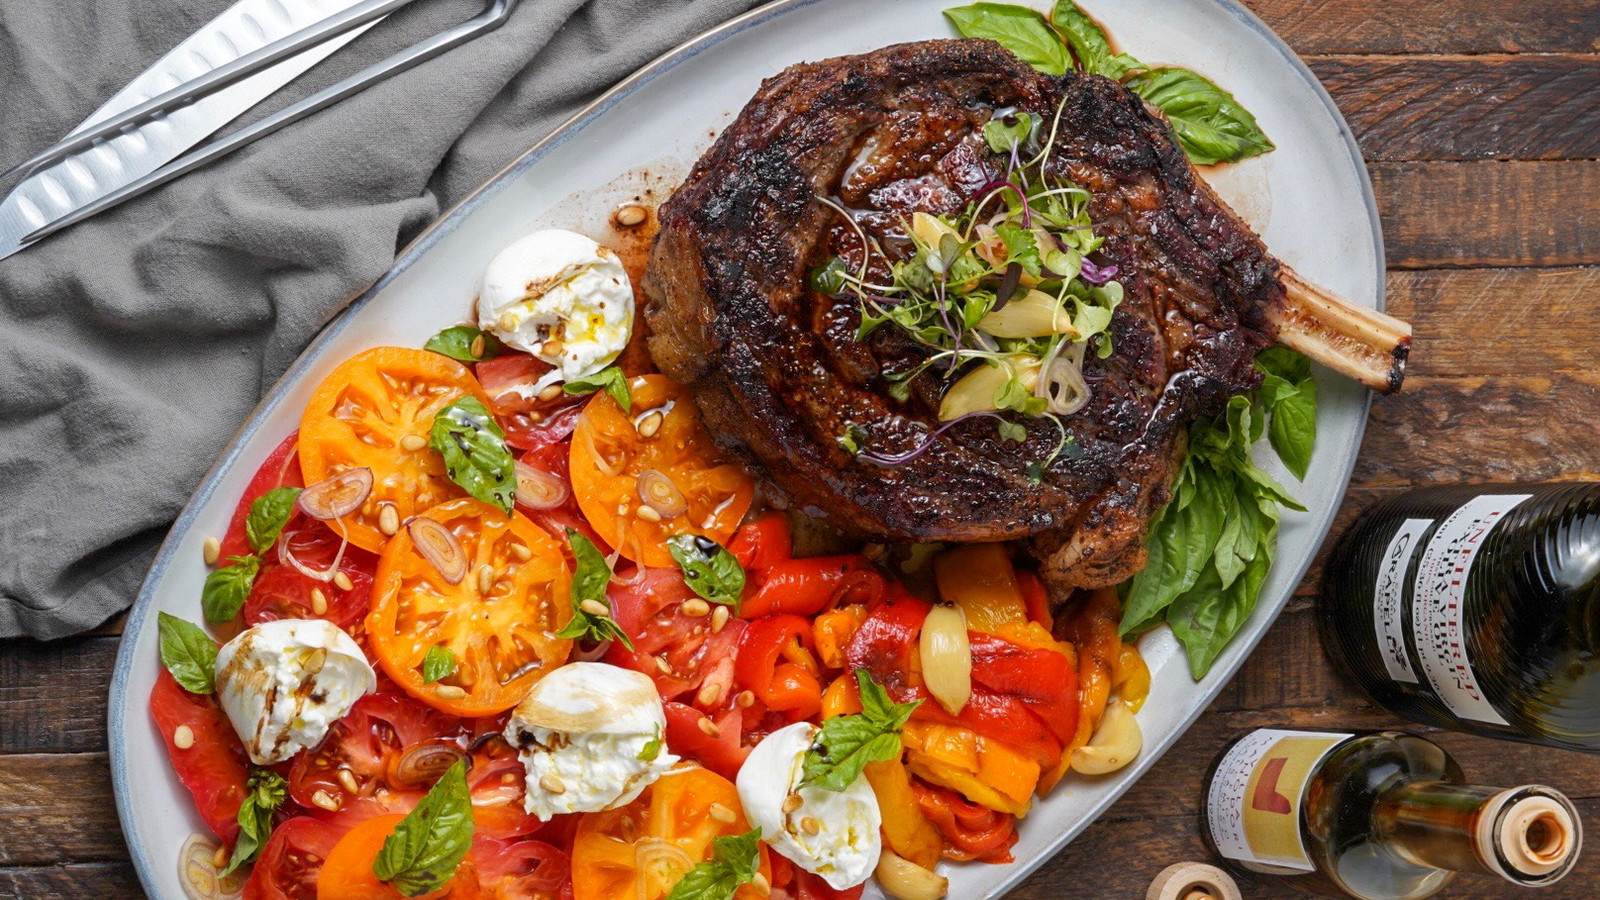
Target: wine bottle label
column 1388, row 620
column 1438, row 604
column 1254, row 799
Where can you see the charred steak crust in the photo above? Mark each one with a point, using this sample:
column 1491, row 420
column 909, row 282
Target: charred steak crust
column 780, row 377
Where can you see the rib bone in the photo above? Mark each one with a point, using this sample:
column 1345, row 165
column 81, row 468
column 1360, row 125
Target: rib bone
column 1354, row 341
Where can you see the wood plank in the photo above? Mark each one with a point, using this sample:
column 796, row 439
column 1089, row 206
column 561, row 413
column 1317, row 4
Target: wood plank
column 1468, row 107
column 1491, row 213
column 102, row 881
column 57, row 808
column 52, row 695
column 1433, row 26
column 1119, row 859
column 1500, row 321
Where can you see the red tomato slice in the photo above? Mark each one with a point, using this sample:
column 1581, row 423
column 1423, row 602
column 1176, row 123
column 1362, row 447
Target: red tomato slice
column 281, row 469
column 288, row 866
column 282, row 592
column 368, row 743
column 722, row 754
column 215, row 767
column 521, row 870
column 650, row 611
column 529, row 423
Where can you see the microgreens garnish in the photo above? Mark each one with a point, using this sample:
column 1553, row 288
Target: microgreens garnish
column 1002, row 294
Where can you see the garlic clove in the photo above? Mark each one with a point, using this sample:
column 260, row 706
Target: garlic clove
column 1115, row 743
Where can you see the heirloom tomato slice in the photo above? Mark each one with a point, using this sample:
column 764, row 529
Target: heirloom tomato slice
column 643, row 849
column 365, row 414
column 658, row 443
column 497, row 621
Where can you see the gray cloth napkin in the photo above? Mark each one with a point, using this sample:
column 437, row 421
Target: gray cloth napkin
column 133, row 345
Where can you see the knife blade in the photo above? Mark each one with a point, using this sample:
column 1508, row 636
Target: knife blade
column 95, row 171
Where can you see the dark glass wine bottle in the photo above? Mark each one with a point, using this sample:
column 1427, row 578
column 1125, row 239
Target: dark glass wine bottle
column 1377, row 816
column 1476, row 609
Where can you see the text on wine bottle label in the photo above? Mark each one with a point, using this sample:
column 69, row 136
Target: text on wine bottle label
column 1253, row 801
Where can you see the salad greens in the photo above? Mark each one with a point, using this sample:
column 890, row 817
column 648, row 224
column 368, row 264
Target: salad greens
column 845, row 744
column 266, row 791
column 589, row 587
column 475, row 452
column 708, row 568
column 437, row 663
column 1210, row 124
column 189, row 654
column 734, row 861
column 610, row 379
column 422, row 854
column 1211, row 546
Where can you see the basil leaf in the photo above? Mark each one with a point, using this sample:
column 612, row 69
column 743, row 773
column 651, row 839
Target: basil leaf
column 226, row 588
column 189, row 654
column 1211, row 126
column 1180, row 543
column 266, row 791
column 268, row 514
column 651, row 748
column 475, row 453
column 1289, row 393
column 422, row 854
column 1006, row 133
column 1089, row 42
column 437, row 663
column 1021, row 30
column 734, row 861
column 589, row 583
column 708, row 568
column 1205, row 619
column 845, row 744
column 611, row 380
column 457, row 343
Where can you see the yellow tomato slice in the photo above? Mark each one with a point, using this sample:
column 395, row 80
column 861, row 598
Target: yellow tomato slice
column 376, row 410
column 659, row 442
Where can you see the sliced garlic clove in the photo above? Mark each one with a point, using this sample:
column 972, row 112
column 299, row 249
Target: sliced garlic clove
column 947, row 657
column 1115, row 743
column 1034, row 314
column 975, row 391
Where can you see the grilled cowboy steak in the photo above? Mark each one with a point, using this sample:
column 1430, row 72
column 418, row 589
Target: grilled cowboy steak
column 781, row 377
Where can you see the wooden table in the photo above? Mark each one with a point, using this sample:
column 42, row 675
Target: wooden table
column 1480, row 121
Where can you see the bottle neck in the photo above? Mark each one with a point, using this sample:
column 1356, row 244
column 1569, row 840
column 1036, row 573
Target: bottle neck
column 1528, row 835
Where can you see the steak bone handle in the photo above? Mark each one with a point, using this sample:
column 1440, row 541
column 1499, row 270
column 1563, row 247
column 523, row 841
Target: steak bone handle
column 1354, row 341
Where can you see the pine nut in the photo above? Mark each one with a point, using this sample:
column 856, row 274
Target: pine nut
column 710, row 694
column 388, row 519
column 595, row 608
column 507, row 322
column 663, row 665
column 219, row 859
column 324, row 800
column 649, row 425
column 649, row 514
column 342, row 581
column 695, row 607
column 719, row 618
column 745, row 699
column 477, row 347
column 809, row 825
column 316, row 660
column 319, row 602
column 347, row 780
column 413, row 442
column 183, row 737
column 710, row 728
column 791, row 803
column 449, row 692
column 550, row 393
column 508, row 778
column 762, row 886
column 631, row 215
column 552, row 784
column 211, row 550
column 522, row 552
column 722, row 813
column 485, row 579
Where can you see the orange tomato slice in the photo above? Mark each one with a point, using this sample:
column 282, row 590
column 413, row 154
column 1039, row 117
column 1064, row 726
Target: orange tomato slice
column 611, row 449
column 347, row 874
column 365, row 414
column 497, row 621
column 641, row 850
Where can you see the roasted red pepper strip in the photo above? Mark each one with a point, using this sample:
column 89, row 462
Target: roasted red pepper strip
column 808, row 586
column 780, row 685
column 1026, row 697
column 970, row 831
column 1038, row 602
column 761, row 543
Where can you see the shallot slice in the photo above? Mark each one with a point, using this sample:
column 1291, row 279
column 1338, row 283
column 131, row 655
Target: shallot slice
column 538, row 489
column 287, row 557
column 337, row 495
column 660, row 494
column 438, row 546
